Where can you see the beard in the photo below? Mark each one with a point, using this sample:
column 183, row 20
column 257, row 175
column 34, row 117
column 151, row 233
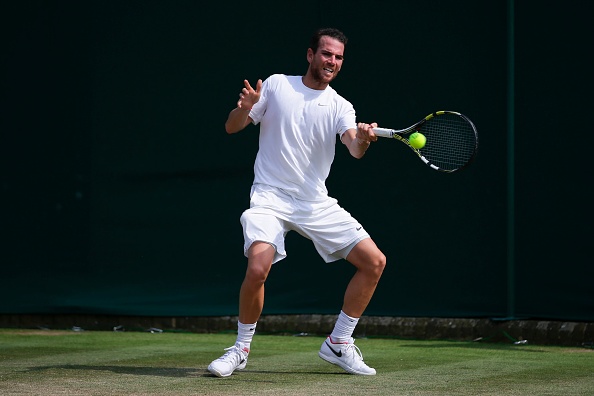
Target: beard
column 319, row 75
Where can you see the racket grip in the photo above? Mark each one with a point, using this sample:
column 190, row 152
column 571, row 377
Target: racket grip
column 384, row 132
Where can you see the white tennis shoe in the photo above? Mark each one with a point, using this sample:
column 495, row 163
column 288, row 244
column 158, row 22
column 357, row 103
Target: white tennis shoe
column 234, row 359
column 346, row 355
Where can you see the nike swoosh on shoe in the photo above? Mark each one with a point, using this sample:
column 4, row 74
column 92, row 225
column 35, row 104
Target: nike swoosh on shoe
column 338, row 354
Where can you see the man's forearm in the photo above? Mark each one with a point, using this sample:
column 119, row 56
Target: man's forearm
column 238, row 119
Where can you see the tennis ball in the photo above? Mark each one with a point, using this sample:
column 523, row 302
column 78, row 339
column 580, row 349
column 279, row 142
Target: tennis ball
column 417, row 140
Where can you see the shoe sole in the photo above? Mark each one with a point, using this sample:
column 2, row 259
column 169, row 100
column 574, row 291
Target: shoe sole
column 220, row 375
column 333, row 360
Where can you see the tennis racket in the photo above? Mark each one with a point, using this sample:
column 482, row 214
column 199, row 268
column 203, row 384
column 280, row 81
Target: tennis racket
column 452, row 140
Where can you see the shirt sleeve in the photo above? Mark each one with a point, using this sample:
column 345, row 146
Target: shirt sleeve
column 259, row 108
column 347, row 119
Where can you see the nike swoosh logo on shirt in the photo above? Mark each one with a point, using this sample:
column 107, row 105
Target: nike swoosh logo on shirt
column 338, row 354
column 322, row 104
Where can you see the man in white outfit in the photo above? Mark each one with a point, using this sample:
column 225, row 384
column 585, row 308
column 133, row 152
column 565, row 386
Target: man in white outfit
column 300, row 118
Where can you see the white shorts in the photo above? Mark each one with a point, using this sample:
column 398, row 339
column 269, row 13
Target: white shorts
column 273, row 213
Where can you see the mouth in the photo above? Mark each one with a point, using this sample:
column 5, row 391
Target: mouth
column 328, row 70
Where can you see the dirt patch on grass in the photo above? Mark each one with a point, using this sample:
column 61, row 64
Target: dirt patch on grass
column 578, row 350
column 41, row 332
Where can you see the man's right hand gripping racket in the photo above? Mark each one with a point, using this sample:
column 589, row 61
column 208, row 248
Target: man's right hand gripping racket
column 451, row 140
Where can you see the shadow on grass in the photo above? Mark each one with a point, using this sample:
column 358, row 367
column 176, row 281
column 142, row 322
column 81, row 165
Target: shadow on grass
column 172, row 372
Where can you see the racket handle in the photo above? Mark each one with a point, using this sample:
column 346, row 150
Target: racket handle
column 384, row 132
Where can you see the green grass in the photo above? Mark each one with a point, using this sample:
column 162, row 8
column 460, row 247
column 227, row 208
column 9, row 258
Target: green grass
column 34, row 362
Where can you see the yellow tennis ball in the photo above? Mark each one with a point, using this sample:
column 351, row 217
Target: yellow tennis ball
column 417, row 140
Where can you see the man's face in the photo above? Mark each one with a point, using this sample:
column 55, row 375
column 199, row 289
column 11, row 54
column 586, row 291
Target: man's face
column 327, row 61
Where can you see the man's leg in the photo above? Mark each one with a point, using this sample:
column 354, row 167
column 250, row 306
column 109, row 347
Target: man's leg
column 251, row 303
column 339, row 348
column 251, row 295
column 370, row 263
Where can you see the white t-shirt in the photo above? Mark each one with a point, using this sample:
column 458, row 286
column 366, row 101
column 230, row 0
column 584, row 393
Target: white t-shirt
column 298, row 128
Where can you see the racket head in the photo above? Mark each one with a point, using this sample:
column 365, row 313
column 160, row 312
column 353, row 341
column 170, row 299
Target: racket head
column 452, row 140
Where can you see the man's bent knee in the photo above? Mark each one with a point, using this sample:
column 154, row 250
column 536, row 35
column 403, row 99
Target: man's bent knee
column 366, row 257
column 373, row 265
column 379, row 264
column 260, row 259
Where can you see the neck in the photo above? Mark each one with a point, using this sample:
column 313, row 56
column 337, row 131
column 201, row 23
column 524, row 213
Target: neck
column 312, row 83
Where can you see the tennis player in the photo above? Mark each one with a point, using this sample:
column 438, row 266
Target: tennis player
column 300, row 118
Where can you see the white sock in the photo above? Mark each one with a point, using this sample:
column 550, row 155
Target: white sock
column 344, row 328
column 245, row 333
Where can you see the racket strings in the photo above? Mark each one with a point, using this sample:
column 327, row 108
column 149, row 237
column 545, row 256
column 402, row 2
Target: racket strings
column 451, row 141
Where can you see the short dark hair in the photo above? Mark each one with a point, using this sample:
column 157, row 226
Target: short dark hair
column 331, row 32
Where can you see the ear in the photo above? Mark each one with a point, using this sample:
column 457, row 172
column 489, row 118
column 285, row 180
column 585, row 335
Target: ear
column 310, row 55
